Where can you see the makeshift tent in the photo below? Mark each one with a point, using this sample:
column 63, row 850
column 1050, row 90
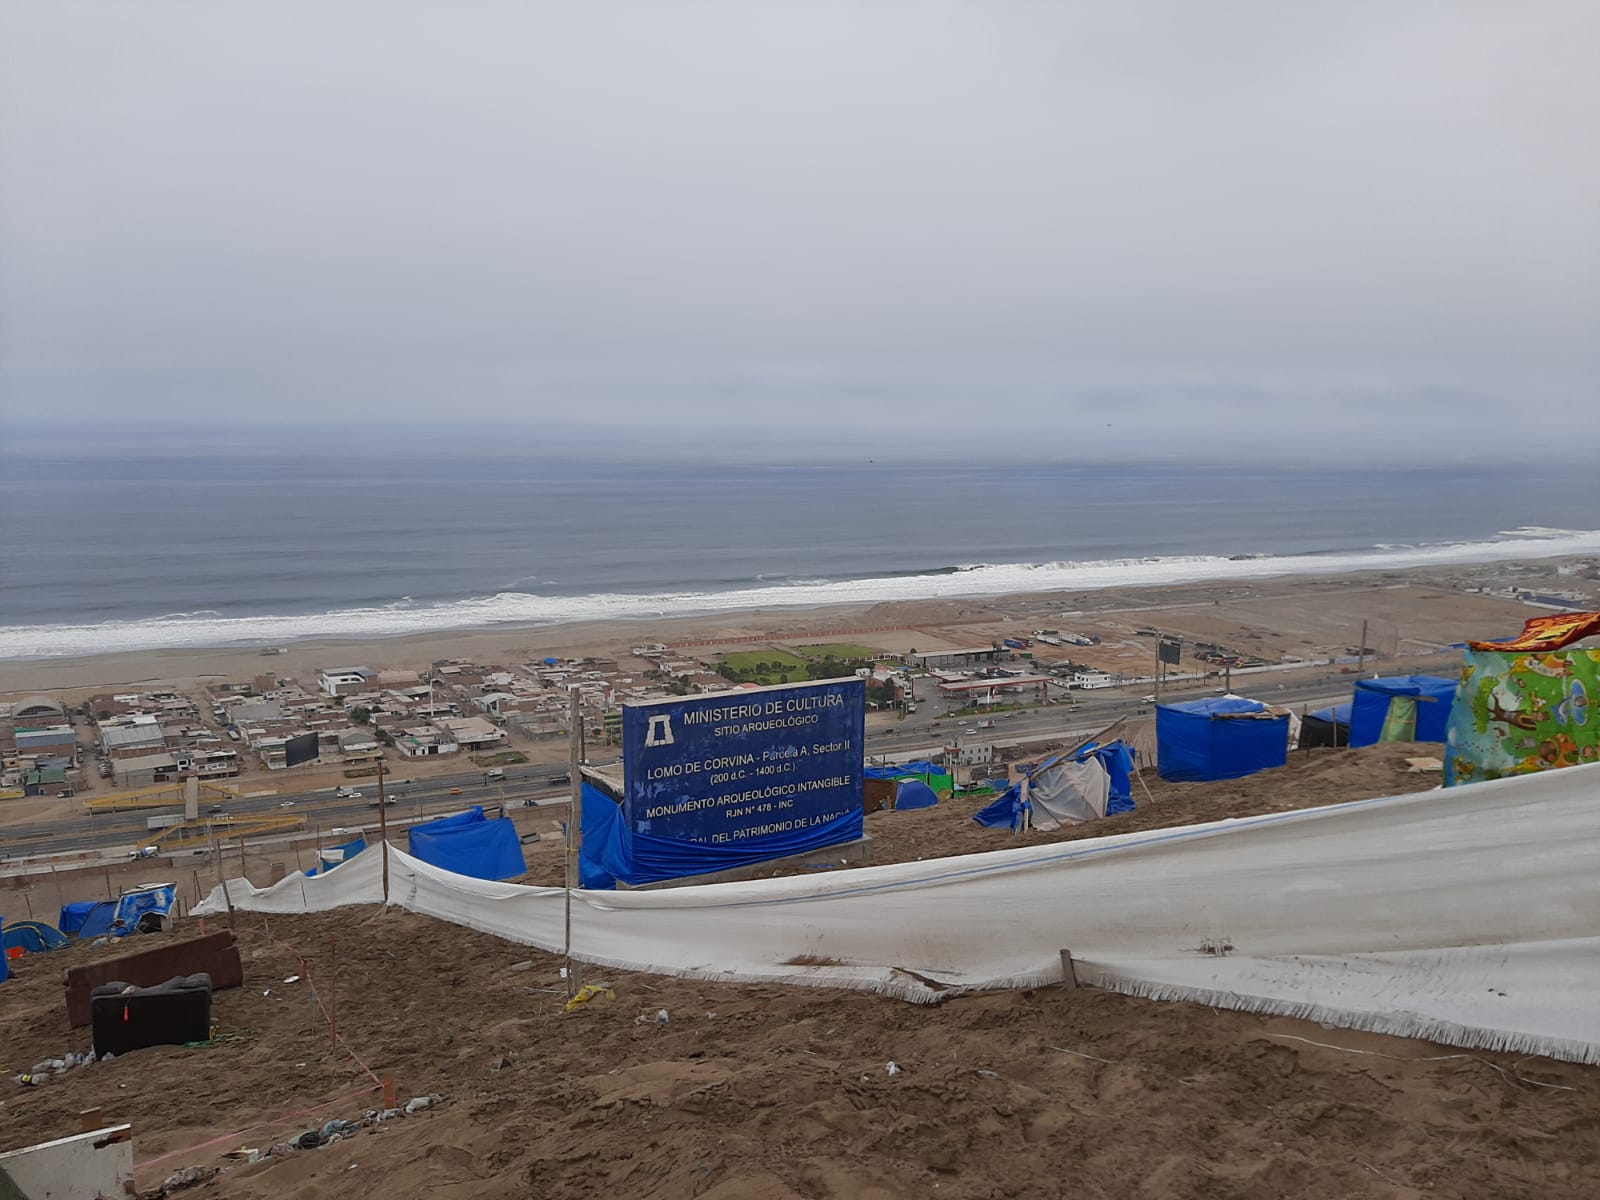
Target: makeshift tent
column 913, row 793
column 1404, row 708
column 1221, row 737
column 936, row 777
column 1516, row 713
column 1326, row 727
column 141, row 908
column 1092, row 782
column 32, row 937
column 470, row 844
column 330, row 857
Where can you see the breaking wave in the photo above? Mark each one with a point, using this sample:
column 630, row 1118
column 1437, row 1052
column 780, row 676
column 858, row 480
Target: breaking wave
column 406, row 616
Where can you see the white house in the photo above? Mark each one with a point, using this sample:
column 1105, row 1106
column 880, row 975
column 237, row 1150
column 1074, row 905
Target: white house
column 342, row 681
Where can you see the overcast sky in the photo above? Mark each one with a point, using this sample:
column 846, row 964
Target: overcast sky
column 1217, row 221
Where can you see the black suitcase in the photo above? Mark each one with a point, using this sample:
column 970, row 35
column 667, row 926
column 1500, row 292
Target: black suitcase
column 168, row 1014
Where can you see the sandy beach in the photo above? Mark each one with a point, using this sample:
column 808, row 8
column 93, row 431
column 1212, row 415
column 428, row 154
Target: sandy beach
column 1408, row 613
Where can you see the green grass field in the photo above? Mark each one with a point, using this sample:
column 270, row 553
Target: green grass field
column 770, row 665
column 843, row 651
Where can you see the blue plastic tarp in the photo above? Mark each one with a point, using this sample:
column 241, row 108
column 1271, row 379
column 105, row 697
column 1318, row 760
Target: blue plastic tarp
column 913, row 793
column 5, row 967
column 119, row 917
column 1217, row 738
column 1005, row 811
column 1334, row 714
column 330, row 857
column 901, row 770
column 1117, row 759
column 73, row 916
column 613, row 853
column 470, row 844
column 35, row 937
column 1370, row 707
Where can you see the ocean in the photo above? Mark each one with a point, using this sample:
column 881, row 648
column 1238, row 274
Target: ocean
column 143, row 543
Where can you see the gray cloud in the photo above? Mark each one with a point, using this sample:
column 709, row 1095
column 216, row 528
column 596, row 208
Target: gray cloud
column 1230, row 220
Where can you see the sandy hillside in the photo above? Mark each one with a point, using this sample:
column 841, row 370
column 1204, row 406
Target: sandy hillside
column 774, row 1092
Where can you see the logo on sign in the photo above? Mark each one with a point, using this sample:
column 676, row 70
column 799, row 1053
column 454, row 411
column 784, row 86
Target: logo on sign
column 660, row 731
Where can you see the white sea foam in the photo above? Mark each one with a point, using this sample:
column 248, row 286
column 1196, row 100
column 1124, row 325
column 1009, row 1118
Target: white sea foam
column 527, row 608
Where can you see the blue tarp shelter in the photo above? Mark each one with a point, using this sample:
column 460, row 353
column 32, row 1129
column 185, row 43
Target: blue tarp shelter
column 1010, row 810
column 1326, row 727
column 470, row 844
column 330, row 857
column 35, row 937
column 1404, row 708
column 913, row 793
column 119, row 917
column 1220, row 737
column 612, row 852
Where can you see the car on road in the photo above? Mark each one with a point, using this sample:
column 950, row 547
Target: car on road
column 215, row 810
column 347, row 793
column 1147, row 699
column 455, row 791
column 287, row 804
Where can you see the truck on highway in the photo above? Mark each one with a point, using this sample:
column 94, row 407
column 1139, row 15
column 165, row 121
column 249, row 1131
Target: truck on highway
column 493, row 773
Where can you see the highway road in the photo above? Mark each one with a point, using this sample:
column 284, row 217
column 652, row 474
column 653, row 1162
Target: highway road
column 528, row 784
column 928, row 728
column 925, row 730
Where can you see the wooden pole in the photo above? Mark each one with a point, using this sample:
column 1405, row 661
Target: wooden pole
column 244, row 868
column 333, row 985
column 1361, row 653
column 216, row 858
column 383, row 834
column 574, row 814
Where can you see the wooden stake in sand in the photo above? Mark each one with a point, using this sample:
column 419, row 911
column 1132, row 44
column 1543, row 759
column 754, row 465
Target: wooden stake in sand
column 383, row 833
column 216, row 858
column 574, row 811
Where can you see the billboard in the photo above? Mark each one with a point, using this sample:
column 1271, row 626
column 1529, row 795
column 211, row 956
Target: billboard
column 1169, row 650
column 735, row 768
column 301, row 748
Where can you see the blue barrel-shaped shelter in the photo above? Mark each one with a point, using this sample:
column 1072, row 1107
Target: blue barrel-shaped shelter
column 1404, row 708
column 1220, row 737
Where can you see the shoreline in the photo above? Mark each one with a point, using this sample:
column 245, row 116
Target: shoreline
column 1291, row 610
column 518, row 612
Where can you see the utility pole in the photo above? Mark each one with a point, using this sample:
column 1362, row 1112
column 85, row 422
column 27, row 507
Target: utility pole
column 1361, row 654
column 1159, row 671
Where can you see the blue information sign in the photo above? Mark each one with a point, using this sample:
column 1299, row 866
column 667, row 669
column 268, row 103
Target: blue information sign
column 765, row 763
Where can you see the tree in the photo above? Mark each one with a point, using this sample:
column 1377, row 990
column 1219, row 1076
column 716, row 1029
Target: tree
column 360, row 715
column 385, row 737
column 783, row 679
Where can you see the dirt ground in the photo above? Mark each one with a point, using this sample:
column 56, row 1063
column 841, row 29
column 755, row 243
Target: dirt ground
column 774, row 1093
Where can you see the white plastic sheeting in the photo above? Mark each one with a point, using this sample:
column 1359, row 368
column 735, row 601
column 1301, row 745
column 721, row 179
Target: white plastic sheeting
column 1069, row 793
column 1470, row 916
